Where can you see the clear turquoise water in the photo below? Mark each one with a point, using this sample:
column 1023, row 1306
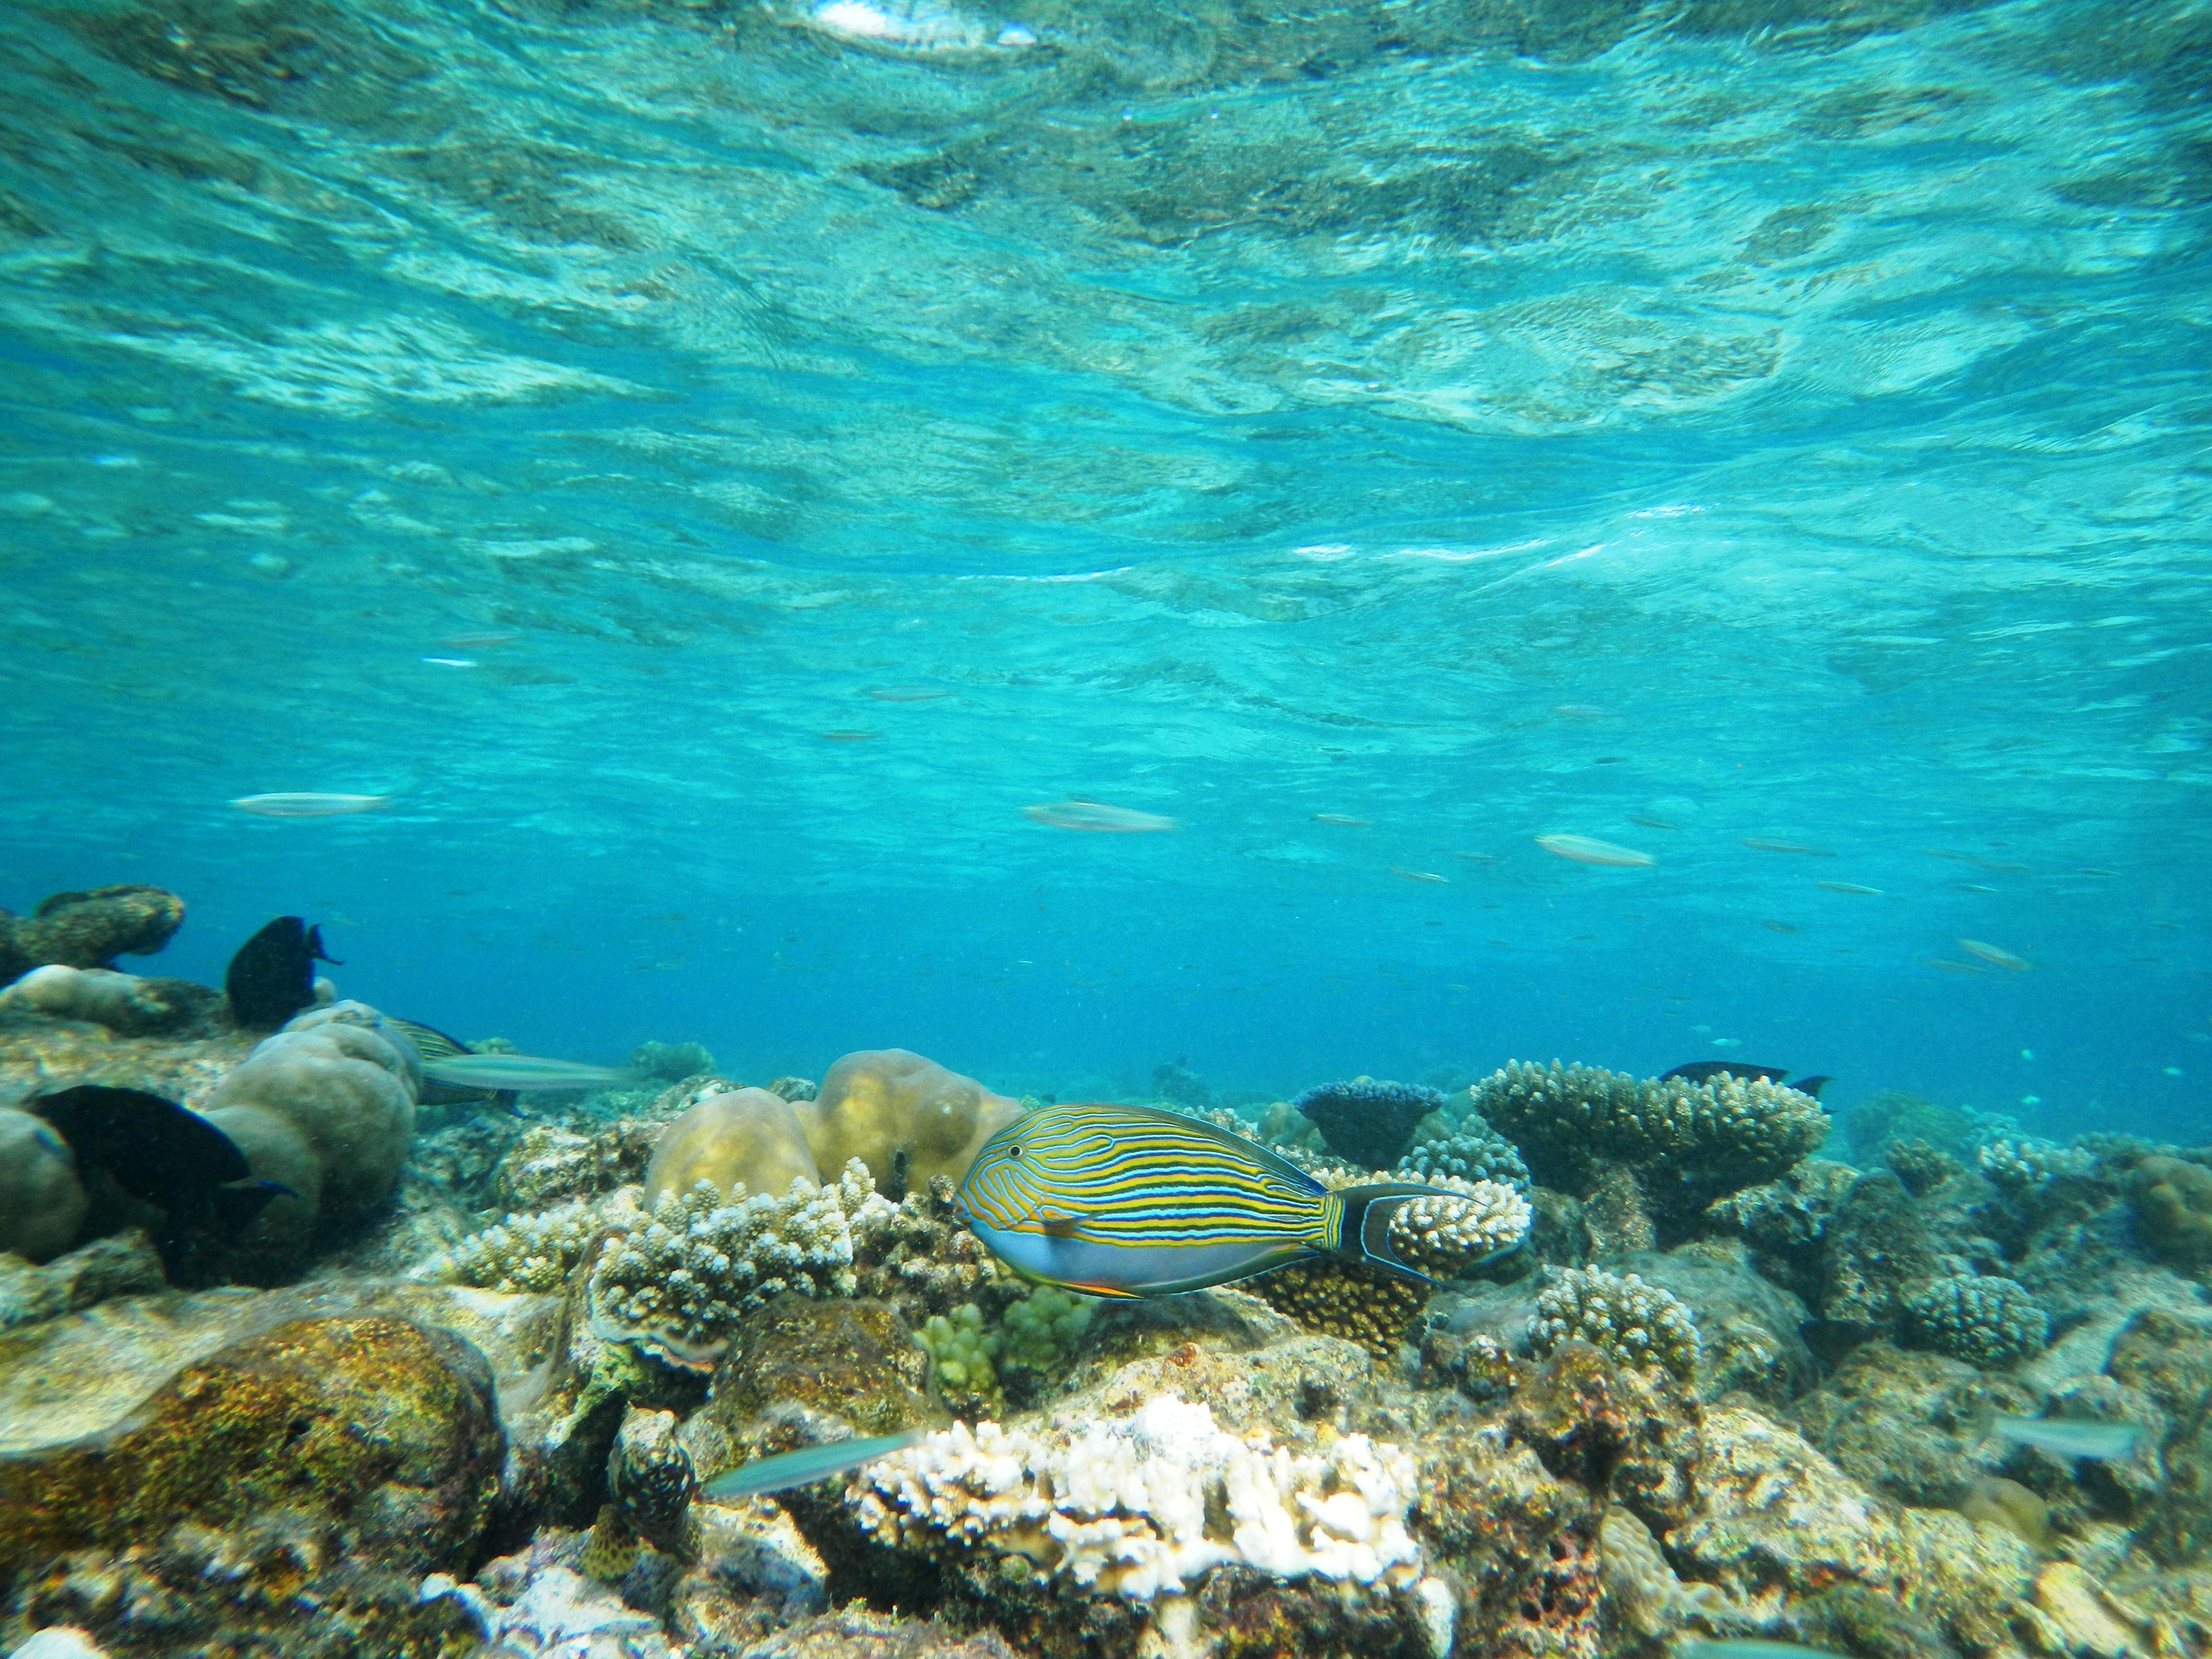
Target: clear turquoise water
column 1242, row 413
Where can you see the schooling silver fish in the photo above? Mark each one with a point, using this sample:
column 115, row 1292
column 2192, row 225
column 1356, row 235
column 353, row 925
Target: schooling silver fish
column 1123, row 1200
column 497, row 1072
column 806, row 1466
column 2069, row 1437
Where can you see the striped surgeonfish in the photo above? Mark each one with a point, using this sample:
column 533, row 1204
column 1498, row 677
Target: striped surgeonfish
column 1124, row 1201
column 432, row 1044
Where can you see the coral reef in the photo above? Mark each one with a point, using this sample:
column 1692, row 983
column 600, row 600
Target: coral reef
column 1347, row 1300
column 2018, row 1166
column 1367, row 1121
column 1176, row 1083
column 962, row 1349
column 746, row 1138
column 670, row 1062
column 1689, row 1142
column 1469, row 1151
column 1985, row 1322
column 1632, row 1322
column 88, row 929
column 42, row 1202
column 325, row 1107
column 125, row 1264
column 1898, row 1115
column 905, row 1117
column 677, row 1277
column 1921, row 1167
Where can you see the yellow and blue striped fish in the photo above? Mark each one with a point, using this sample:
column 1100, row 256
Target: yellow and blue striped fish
column 1123, row 1200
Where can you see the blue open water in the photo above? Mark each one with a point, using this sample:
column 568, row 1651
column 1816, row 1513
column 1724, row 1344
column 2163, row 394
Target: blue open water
column 1484, row 419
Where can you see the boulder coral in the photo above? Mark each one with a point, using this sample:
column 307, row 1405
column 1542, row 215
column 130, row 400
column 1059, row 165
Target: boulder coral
column 2172, row 1203
column 123, row 1002
column 325, row 1107
column 747, row 1138
column 42, row 1202
column 905, row 1117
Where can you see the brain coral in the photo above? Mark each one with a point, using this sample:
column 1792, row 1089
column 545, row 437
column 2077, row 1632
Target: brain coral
column 326, row 1107
column 747, row 1138
column 1632, row 1323
column 1692, row 1141
column 1144, row 1505
column 905, row 1117
column 1985, row 1321
column 1364, row 1120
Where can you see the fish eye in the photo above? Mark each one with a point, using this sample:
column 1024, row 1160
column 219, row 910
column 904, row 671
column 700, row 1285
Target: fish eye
column 1013, row 1152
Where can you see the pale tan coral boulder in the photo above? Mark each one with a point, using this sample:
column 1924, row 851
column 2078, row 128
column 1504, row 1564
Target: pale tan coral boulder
column 906, row 1117
column 747, row 1136
column 42, row 1202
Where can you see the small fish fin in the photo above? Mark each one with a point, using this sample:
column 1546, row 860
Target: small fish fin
column 1365, row 1233
column 1810, row 1086
column 1061, row 1226
column 509, row 1101
column 1113, row 1291
column 237, row 1204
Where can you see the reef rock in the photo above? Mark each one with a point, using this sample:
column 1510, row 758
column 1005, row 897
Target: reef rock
column 1904, row 1422
column 1874, row 1249
column 122, row 1002
column 90, row 929
column 380, row 1431
column 42, row 1202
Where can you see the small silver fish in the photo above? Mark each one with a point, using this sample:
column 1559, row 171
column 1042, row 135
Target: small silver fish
column 308, row 804
column 518, row 1072
column 806, row 1466
column 1739, row 1647
column 2069, row 1437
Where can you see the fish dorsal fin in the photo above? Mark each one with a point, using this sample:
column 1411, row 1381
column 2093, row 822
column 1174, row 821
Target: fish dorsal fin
column 1267, row 1156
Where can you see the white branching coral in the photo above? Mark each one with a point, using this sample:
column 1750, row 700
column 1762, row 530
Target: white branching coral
column 679, row 1280
column 522, row 1253
column 1121, row 1506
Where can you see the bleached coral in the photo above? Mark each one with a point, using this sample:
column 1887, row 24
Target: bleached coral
column 522, row 1253
column 1632, row 1322
column 681, row 1276
column 1121, row 1506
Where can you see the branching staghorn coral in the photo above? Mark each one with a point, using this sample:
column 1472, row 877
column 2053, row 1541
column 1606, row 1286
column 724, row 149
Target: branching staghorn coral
column 1472, row 1151
column 1632, row 1322
column 1690, row 1142
column 1985, row 1322
column 523, row 1252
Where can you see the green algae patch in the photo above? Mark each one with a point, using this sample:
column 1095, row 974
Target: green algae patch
column 385, row 1428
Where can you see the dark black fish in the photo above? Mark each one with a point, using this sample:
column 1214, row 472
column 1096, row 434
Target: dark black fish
column 431, row 1043
column 158, row 1153
column 272, row 976
column 1705, row 1071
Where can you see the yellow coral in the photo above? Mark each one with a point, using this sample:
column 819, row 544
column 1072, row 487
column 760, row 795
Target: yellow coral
column 1360, row 1304
column 749, row 1136
column 907, row 1118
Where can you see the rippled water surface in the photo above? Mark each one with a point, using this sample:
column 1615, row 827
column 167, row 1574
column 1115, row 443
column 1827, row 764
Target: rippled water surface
column 715, row 465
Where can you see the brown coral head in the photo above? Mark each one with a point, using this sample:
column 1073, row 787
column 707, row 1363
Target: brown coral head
column 90, row 929
column 905, row 1116
column 2172, row 1203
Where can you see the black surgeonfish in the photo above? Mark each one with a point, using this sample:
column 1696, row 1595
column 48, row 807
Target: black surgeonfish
column 432, row 1044
column 158, row 1153
column 1705, row 1071
column 272, row 976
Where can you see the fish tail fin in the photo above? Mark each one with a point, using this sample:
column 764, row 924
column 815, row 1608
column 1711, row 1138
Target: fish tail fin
column 1810, row 1086
column 509, row 1101
column 1363, row 1234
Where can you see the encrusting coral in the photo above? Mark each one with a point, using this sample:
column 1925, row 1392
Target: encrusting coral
column 1367, row 1121
column 1986, row 1321
column 1689, row 1142
column 1632, row 1322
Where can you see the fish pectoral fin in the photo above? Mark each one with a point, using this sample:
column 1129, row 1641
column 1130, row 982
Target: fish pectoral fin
column 1059, row 1226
